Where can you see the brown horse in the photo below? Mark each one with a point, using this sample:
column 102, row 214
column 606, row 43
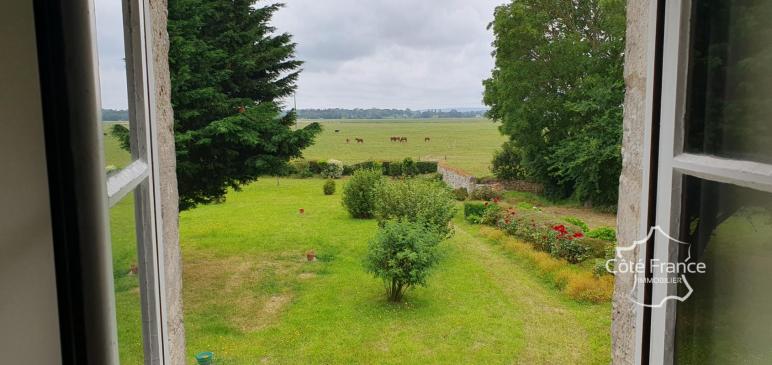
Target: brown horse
column 359, row 140
column 403, row 139
column 427, row 139
column 348, row 140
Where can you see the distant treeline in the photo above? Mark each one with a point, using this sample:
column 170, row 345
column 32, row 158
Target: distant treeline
column 338, row 113
column 111, row 115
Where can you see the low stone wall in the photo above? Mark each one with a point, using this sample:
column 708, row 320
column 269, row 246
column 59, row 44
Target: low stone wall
column 524, row 186
column 456, row 178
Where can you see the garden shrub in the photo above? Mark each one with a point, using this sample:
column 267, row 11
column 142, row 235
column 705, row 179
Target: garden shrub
column 603, row 233
column 506, row 163
column 359, row 193
column 426, row 167
column 333, row 169
column 316, row 167
column 402, row 255
column 485, row 193
column 300, row 168
column 416, row 201
column 577, row 222
column 409, row 167
column 460, row 194
column 492, row 214
column 571, row 250
column 435, row 177
column 474, row 209
column 601, row 268
column 366, row 165
column 329, row 187
column 395, row 169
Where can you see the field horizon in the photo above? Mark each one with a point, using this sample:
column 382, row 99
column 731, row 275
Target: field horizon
column 465, row 143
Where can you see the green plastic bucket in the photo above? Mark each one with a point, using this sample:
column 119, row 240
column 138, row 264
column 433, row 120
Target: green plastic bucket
column 204, row 358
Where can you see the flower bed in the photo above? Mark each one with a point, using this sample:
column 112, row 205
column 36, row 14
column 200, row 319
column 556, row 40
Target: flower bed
column 544, row 232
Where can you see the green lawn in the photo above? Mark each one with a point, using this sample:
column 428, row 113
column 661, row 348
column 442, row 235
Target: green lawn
column 465, row 143
column 250, row 296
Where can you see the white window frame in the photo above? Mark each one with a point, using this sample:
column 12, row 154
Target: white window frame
column 141, row 177
column 673, row 166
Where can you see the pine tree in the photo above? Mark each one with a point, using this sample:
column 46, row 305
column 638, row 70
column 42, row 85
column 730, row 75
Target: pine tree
column 229, row 71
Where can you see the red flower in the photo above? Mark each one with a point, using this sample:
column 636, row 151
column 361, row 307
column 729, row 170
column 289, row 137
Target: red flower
column 560, row 228
column 578, row 235
column 496, row 199
column 506, row 221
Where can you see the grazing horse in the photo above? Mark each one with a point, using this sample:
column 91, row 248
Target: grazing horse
column 403, row 139
column 359, row 140
column 394, row 139
column 348, row 140
column 427, row 139
column 337, row 130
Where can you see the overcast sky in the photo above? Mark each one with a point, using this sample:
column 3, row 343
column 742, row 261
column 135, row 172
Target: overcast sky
column 360, row 53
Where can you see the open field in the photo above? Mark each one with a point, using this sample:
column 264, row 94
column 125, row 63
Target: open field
column 466, row 143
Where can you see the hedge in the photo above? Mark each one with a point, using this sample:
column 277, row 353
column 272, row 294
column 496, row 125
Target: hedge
column 388, row 168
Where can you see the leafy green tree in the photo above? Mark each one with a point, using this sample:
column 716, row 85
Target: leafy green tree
column 557, row 88
column 229, row 71
column 402, row 254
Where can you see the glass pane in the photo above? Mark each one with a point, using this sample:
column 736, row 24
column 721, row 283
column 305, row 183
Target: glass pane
column 729, row 110
column 126, row 275
column 727, row 319
column 112, row 79
column 112, row 75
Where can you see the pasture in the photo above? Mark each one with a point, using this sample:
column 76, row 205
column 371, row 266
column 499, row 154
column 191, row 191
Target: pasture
column 467, row 144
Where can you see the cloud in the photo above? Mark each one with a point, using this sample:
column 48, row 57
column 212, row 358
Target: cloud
column 359, row 53
column 390, row 53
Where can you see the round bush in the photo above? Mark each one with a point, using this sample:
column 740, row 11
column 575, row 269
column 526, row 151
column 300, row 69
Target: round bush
column 333, row 169
column 418, row 201
column 402, row 254
column 329, row 187
column 359, row 193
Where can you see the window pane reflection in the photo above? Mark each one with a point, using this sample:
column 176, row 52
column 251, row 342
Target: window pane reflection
column 727, row 319
column 126, row 280
column 729, row 110
column 112, row 80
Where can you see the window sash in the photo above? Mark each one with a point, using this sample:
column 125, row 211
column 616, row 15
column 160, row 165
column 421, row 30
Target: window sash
column 673, row 165
column 141, row 177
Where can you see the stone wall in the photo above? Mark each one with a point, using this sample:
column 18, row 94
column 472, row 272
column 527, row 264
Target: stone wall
column 456, row 178
column 168, row 183
column 623, row 327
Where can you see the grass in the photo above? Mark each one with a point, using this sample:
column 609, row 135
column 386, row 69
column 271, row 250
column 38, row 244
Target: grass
column 250, row 296
column 467, row 144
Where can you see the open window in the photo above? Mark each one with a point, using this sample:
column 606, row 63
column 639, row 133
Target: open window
column 713, row 184
column 82, row 192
